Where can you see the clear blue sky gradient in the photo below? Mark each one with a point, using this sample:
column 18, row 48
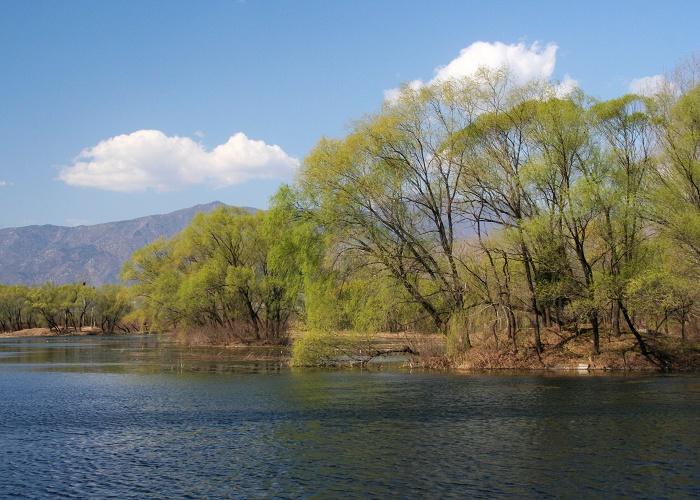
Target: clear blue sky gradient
column 75, row 73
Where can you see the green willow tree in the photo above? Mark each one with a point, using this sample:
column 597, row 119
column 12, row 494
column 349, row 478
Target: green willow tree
column 627, row 146
column 565, row 174
column 677, row 196
column 217, row 273
column 15, row 308
column 387, row 197
column 63, row 308
column 494, row 186
column 485, row 194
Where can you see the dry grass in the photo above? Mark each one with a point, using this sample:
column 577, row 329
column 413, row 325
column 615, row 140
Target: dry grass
column 576, row 353
column 218, row 336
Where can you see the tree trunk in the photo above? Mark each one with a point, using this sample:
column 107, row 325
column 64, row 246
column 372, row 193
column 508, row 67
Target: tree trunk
column 596, row 331
column 616, row 319
column 640, row 340
column 512, row 328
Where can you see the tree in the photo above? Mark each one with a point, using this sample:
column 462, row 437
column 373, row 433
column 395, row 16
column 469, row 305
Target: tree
column 387, row 195
column 677, row 196
column 496, row 150
column 154, row 279
column 47, row 301
column 216, row 273
column 112, row 302
column 15, row 311
column 566, row 174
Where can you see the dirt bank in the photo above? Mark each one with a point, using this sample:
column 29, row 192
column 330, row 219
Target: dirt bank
column 616, row 354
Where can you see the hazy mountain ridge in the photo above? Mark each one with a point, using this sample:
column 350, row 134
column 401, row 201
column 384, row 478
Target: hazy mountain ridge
column 93, row 254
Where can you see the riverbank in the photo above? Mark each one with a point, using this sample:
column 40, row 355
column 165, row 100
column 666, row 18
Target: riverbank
column 575, row 353
column 46, row 332
column 562, row 351
column 666, row 353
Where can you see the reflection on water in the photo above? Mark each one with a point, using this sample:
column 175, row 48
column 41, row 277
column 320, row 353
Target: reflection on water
column 136, row 422
column 131, row 354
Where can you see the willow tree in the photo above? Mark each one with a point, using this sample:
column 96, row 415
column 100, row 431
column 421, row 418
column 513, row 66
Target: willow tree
column 623, row 126
column 387, row 194
column 675, row 206
column 495, row 195
column 15, row 308
column 565, row 173
column 154, row 279
column 677, row 200
column 216, row 273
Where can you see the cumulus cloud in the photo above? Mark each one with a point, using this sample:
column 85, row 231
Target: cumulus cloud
column 526, row 63
column 649, row 85
column 149, row 159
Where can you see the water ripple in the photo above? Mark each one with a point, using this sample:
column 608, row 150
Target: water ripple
column 323, row 434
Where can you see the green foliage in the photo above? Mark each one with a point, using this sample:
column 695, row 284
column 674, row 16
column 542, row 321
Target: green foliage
column 113, row 303
column 314, row 347
column 226, row 269
column 63, row 308
column 15, row 308
column 555, row 189
column 330, row 347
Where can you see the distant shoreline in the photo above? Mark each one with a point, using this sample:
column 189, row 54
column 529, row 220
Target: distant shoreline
column 46, row 332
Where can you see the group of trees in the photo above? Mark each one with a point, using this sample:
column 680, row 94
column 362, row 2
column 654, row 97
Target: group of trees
column 229, row 270
column 518, row 207
column 63, row 307
column 478, row 205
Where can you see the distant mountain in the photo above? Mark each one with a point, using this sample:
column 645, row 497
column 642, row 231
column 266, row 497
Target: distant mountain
column 91, row 254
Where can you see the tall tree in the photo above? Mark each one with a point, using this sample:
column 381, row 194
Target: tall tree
column 388, row 193
column 565, row 174
column 493, row 186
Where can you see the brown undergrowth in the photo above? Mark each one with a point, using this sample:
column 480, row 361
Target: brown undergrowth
column 216, row 336
column 561, row 351
column 569, row 352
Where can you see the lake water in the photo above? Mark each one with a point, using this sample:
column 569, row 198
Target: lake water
column 136, row 417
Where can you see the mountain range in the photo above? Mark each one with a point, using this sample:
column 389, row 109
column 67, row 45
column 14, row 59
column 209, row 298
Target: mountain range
column 84, row 254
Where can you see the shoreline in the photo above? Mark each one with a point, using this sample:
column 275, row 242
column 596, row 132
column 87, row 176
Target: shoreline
column 46, row 332
column 618, row 355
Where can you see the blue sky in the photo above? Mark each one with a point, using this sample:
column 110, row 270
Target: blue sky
column 115, row 110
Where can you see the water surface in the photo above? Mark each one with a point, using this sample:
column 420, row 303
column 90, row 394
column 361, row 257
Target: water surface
column 136, row 417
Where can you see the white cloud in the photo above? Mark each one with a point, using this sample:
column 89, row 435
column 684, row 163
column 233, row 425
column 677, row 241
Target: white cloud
column 3, row 183
column 148, row 159
column 392, row 95
column 526, row 63
column 565, row 87
column 648, row 85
